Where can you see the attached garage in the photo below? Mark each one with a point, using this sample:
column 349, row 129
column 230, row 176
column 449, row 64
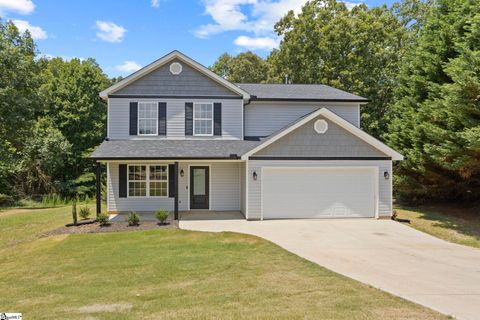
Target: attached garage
column 318, row 192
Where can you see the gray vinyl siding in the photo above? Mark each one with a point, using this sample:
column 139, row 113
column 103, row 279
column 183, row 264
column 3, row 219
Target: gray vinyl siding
column 305, row 141
column 255, row 186
column 224, row 185
column 189, row 82
column 262, row 118
column 118, row 118
column 225, row 191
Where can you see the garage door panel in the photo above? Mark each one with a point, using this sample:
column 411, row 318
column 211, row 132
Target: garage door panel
column 317, row 192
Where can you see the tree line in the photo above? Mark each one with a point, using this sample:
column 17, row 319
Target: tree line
column 51, row 118
column 418, row 62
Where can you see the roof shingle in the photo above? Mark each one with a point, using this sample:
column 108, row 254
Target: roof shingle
column 172, row 149
column 313, row 92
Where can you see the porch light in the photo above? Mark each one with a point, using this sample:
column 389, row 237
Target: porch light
column 254, row 175
column 386, row 175
column 182, row 173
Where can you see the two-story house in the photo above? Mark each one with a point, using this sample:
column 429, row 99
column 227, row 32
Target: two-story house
column 182, row 138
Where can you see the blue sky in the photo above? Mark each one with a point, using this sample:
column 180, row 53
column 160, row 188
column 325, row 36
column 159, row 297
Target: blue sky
column 126, row 35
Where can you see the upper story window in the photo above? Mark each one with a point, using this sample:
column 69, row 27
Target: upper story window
column 203, row 119
column 147, row 119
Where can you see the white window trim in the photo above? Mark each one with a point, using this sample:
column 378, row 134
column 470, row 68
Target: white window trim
column 147, row 180
column 138, row 119
column 205, row 134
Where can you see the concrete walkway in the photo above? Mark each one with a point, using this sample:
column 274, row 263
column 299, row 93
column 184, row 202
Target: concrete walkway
column 385, row 254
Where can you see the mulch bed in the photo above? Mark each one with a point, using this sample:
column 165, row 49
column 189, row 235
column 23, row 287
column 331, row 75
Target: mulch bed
column 113, row 227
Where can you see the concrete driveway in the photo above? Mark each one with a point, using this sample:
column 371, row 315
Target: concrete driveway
column 382, row 253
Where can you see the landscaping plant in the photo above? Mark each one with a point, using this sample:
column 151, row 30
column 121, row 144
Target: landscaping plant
column 85, row 213
column 74, row 212
column 162, row 215
column 133, row 219
column 103, row 219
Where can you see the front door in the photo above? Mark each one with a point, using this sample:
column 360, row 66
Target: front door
column 199, row 187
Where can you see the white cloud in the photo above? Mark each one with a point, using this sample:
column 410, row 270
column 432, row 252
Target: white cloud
column 17, row 6
column 110, row 32
column 350, row 5
column 128, row 66
column 36, row 32
column 263, row 43
column 155, row 3
column 252, row 16
column 230, row 15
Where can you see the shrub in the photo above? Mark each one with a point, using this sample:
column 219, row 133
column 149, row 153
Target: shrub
column 74, row 213
column 84, row 212
column 162, row 215
column 6, row 200
column 103, row 219
column 133, row 219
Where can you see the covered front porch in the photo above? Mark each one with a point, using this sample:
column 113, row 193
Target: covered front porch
column 184, row 215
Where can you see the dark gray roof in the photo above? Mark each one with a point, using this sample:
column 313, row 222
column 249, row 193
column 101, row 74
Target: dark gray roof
column 313, row 92
column 172, row 149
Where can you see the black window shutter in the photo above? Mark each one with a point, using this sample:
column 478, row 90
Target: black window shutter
column 122, row 180
column 171, row 180
column 162, row 118
column 133, row 118
column 189, row 118
column 217, row 119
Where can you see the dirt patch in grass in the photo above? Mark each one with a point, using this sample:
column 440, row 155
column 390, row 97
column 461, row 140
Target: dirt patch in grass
column 113, row 227
column 116, row 307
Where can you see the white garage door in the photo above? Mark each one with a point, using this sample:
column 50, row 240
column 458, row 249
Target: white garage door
column 318, row 192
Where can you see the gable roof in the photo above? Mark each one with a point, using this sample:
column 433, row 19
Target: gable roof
column 334, row 118
column 299, row 92
column 165, row 59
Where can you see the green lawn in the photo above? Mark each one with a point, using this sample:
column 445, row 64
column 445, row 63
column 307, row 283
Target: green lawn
column 168, row 273
column 458, row 225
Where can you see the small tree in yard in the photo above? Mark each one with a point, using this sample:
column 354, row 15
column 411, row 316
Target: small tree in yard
column 162, row 215
column 74, row 212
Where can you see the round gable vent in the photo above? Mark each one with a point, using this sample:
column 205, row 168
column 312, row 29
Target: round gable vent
column 176, row 68
column 320, row 126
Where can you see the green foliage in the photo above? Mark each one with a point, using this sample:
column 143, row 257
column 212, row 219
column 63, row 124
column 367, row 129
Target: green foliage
column 74, row 212
column 437, row 115
column 6, row 200
column 133, row 219
column 51, row 119
column 246, row 67
column 84, row 212
column 43, row 157
column 357, row 50
column 103, row 219
column 162, row 215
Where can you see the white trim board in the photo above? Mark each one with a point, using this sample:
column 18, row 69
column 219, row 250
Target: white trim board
column 337, row 120
column 165, row 59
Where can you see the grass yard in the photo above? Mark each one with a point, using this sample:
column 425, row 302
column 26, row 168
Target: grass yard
column 458, row 225
column 169, row 273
